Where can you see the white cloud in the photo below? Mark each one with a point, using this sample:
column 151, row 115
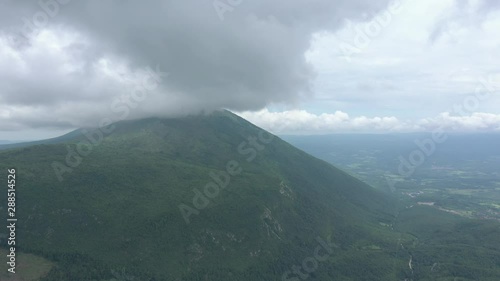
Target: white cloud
column 477, row 121
column 303, row 122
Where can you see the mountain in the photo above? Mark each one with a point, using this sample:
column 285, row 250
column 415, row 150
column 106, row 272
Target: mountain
column 198, row 198
column 16, row 144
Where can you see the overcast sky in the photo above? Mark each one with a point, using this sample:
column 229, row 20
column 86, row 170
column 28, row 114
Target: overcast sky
column 291, row 66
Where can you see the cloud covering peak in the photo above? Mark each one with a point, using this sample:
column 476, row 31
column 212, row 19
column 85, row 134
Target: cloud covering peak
column 67, row 63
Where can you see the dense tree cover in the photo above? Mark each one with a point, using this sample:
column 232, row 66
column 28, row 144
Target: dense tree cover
column 116, row 215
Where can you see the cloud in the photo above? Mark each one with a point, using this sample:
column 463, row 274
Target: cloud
column 303, row 122
column 463, row 14
column 87, row 60
column 474, row 122
column 66, row 61
column 397, row 72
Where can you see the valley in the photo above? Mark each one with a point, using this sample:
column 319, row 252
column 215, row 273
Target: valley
column 448, row 205
column 461, row 177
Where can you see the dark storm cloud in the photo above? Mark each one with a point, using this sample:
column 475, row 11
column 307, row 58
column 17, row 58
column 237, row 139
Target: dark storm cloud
column 240, row 55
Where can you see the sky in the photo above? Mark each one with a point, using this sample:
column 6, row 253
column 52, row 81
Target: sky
column 289, row 66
